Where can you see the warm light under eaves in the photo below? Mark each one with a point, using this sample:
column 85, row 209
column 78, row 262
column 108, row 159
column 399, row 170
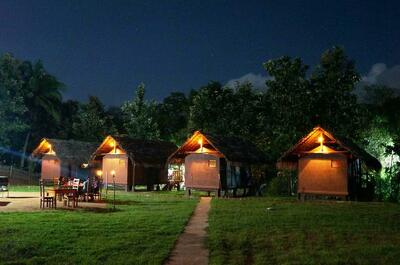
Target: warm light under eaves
column 321, row 141
column 50, row 151
column 200, row 141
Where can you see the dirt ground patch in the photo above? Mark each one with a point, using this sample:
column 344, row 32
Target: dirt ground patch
column 30, row 202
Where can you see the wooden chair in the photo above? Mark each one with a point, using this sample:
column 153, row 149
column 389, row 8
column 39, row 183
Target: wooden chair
column 74, row 194
column 72, row 197
column 4, row 186
column 45, row 199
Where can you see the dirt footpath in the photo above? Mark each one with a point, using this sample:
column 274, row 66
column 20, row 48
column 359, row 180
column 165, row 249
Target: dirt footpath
column 190, row 247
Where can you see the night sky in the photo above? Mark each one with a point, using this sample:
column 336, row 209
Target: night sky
column 106, row 48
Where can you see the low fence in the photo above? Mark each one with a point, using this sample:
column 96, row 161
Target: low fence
column 18, row 176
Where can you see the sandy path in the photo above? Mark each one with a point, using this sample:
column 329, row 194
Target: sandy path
column 30, row 202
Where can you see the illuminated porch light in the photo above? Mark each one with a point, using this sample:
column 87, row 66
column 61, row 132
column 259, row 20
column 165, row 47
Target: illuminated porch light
column 112, row 172
column 50, row 152
column 200, row 141
column 321, row 142
column 113, row 145
column 99, row 173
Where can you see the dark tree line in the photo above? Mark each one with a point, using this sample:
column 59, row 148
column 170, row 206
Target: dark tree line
column 297, row 99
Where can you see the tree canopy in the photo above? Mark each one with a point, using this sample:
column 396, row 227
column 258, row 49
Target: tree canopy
column 298, row 97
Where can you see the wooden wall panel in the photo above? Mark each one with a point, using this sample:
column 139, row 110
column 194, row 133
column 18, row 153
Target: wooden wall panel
column 118, row 163
column 199, row 174
column 323, row 174
column 51, row 167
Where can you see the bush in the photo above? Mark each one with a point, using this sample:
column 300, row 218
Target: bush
column 278, row 185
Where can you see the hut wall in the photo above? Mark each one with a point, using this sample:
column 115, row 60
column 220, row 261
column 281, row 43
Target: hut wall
column 324, row 174
column 51, row 167
column 202, row 171
column 118, row 163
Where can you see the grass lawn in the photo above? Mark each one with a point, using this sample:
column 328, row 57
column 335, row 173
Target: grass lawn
column 142, row 231
column 245, row 232
column 24, row 188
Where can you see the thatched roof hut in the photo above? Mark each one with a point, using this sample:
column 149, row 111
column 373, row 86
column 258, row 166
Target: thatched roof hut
column 233, row 148
column 337, row 143
column 214, row 162
column 63, row 157
column 140, row 162
column 329, row 164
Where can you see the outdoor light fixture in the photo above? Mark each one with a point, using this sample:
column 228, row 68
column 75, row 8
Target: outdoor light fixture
column 321, row 142
column 113, row 176
column 50, row 152
column 99, row 173
column 201, row 144
column 113, row 145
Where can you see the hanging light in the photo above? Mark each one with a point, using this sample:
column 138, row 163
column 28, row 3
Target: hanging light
column 321, row 142
column 200, row 141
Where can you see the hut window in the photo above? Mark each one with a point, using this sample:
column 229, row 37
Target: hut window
column 212, row 163
column 335, row 163
column 121, row 162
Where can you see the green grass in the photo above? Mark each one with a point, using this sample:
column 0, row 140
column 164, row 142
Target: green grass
column 24, row 188
column 142, row 231
column 243, row 231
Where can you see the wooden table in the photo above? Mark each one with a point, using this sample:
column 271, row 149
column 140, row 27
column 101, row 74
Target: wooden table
column 66, row 190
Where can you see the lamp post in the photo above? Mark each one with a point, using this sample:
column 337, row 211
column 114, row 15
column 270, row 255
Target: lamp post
column 113, row 177
column 99, row 174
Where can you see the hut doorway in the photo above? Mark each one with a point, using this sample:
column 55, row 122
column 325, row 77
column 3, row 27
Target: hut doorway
column 176, row 175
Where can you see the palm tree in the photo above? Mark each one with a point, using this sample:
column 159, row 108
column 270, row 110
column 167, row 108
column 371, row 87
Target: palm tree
column 43, row 99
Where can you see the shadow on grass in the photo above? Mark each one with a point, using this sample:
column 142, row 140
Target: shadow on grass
column 123, row 202
column 90, row 210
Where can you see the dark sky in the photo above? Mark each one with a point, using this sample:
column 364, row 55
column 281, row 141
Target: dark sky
column 106, row 48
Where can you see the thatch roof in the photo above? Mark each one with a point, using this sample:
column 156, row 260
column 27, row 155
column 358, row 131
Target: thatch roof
column 234, row 149
column 139, row 150
column 68, row 151
column 337, row 143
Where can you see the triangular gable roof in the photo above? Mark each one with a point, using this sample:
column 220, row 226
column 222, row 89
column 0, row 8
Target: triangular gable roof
column 338, row 143
column 233, row 148
column 68, row 151
column 145, row 151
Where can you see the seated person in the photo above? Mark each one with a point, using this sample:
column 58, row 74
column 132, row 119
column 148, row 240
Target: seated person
column 85, row 187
